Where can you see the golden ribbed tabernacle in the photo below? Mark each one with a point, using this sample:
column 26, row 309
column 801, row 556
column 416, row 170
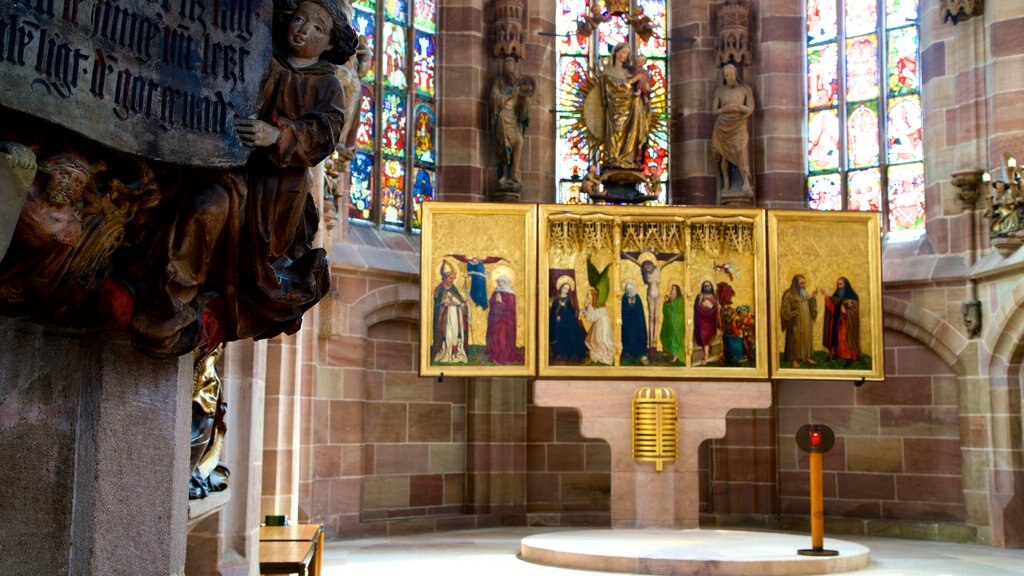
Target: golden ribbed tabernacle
column 655, row 427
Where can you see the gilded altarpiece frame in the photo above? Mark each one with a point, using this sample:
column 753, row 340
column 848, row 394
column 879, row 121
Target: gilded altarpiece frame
column 479, row 264
column 826, row 295
column 601, row 267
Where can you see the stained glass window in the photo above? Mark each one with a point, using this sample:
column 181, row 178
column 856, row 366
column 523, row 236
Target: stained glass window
column 575, row 69
column 394, row 169
column 864, row 120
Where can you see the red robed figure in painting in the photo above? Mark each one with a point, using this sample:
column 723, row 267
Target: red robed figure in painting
column 842, row 322
column 501, row 325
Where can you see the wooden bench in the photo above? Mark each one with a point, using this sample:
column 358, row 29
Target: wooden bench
column 292, row 549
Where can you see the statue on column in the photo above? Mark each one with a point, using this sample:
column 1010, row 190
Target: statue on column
column 510, row 115
column 510, row 98
column 732, row 106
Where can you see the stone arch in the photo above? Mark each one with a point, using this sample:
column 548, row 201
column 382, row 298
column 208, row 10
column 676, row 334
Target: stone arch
column 392, row 302
column 927, row 328
column 1006, row 329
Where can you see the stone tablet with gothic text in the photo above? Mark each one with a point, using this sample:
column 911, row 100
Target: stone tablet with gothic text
column 164, row 79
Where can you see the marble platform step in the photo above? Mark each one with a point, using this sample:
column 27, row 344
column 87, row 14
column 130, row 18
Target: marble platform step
column 704, row 552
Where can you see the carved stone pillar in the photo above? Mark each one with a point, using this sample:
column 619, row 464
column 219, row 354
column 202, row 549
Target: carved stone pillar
column 957, row 10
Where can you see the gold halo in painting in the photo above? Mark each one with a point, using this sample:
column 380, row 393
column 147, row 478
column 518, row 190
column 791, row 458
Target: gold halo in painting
column 565, row 280
column 646, row 256
column 503, row 271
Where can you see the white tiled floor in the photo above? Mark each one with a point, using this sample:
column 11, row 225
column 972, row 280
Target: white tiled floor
column 492, row 552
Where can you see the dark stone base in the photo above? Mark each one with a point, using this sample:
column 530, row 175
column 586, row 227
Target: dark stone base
column 622, row 193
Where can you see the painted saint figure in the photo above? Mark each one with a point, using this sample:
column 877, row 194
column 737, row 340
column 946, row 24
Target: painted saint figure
column 650, row 271
column 673, row 326
column 842, row 322
column 477, row 276
column 600, row 340
column 634, row 326
column 451, row 320
column 564, row 329
column 501, row 325
column 706, row 320
column 798, row 312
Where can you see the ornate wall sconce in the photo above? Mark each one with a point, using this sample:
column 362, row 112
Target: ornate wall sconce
column 655, row 426
column 957, row 10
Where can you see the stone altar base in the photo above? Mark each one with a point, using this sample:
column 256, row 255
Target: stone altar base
column 704, row 552
column 640, row 496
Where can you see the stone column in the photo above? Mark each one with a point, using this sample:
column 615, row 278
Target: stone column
column 642, row 497
column 100, row 436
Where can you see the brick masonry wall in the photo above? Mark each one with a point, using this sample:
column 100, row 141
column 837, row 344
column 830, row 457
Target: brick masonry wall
column 938, row 441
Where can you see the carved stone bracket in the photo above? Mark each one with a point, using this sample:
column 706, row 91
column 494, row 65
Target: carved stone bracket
column 507, row 29
column 971, row 310
column 733, row 43
column 957, row 10
column 969, row 182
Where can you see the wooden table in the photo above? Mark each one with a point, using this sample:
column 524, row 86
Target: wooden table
column 287, row 557
column 301, row 534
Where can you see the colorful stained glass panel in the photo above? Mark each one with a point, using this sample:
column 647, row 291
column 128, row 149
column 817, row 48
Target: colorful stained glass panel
column 573, row 159
column 823, row 141
column 823, row 75
column 365, row 25
column 425, row 125
column 656, row 73
column 425, row 15
column 861, row 17
column 569, row 42
column 392, row 137
column 822, row 24
column 366, row 133
column 396, row 10
column 360, row 203
column 656, row 45
column 862, row 148
column 613, row 32
column 423, row 65
column 904, row 130
column 900, row 12
column 656, row 159
column 864, row 190
column 392, row 200
column 906, row 197
column 422, row 191
column 572, row 72
column 824, row 192
column 902, row 69
column 862, row 68
column 394, row 68
column 370, row 5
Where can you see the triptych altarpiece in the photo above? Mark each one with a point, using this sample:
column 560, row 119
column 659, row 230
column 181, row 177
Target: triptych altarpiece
column 584, row 291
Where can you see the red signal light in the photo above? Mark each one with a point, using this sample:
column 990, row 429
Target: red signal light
column 815, row 437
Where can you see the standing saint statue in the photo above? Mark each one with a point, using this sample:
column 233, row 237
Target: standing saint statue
column 510, row 115
column 732, row 105
column 625, row 91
